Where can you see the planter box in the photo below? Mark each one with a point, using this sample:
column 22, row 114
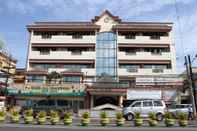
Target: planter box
column 28, row 119
column 138, row 122
column 104, row 121
column 41, row 120
column 183, row 123
column 85, row 122
column 68, row 122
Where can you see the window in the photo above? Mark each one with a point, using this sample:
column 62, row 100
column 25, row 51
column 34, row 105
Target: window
column 157, row 103
column 155, row 37
column 72, row 79
column 106, row 56
column 147, row 104
column 137, row 104
column 130, row 36
column 35, row 78
column 76, row 52
column 51, row 102
column 44, row 51
column 46, row 36
column 157, row 70
column 62, row 103
column 77, row 36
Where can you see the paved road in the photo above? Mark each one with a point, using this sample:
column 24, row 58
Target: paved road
column 13, row 127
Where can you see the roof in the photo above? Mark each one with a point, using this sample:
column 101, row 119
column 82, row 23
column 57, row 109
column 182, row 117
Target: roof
column 90, row 25
column 7, row 56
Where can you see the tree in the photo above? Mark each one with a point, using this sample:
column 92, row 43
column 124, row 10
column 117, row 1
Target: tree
column 53, row 77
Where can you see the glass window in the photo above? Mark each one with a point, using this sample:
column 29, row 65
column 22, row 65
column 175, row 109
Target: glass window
column 106, row 54
column 157, row 103
column 62, row 103
column 51, row 102
column 147, row 104
column 137, row 104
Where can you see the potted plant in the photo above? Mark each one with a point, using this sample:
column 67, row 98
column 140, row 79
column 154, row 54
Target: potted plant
column 15, row 117
column 104, row 120
column 41, row 117
column 54, row 117
column 28, row 118
column 85, row 119
column 119, row 119
column 182, row 119
column 169, row 120
column 138, row 121
column 68, row 118
column 2, row 116
column 152, row 121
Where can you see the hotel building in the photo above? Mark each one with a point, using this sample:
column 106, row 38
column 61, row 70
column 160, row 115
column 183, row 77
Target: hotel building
column 101, row 60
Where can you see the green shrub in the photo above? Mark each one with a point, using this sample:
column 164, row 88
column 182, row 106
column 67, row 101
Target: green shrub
column 2, row 113
column 182, row 116
column 138, row 115
column 85, row 115
column 119, row 115
column 15, row 113
column 168, row 115
column 54, row 114
column 103, row 115
column 41, row 114
column 68, row 115
column 29, row 112
column 152, row 116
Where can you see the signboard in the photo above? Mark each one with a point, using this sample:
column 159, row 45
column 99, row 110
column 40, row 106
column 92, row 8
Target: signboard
column 144, row 94
column 169, row 95
column 159, row 81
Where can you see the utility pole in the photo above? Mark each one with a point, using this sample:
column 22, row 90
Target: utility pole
column 191, row 83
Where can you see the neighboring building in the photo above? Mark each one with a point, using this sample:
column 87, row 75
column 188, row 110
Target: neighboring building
column 7, row 69
column 101, row 61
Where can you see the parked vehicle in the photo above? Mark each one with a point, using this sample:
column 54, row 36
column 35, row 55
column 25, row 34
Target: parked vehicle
column 179, row 108
column 144, row 107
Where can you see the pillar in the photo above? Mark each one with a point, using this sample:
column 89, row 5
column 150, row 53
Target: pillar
column 91, row 101
column 120, row 101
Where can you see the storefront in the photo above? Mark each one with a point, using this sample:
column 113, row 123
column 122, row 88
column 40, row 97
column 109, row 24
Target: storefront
column 71, row 96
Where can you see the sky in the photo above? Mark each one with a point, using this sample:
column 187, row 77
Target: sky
column 16, row 14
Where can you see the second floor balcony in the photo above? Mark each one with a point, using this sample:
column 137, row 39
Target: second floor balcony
column 144, row 56
column 62, row 55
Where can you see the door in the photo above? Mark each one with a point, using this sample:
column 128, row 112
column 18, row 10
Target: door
column 147, row 107
column 136, row 107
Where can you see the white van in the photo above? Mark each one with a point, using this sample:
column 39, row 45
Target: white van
column 144, row 107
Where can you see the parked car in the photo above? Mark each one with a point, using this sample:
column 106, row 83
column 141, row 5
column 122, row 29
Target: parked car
column 144, row 107
column 177, row 108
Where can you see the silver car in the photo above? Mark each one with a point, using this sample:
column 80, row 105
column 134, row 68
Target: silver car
column 144, row 107
column 178, row 108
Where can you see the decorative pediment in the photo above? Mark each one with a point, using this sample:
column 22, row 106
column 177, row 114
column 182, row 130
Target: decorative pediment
column 106, row 12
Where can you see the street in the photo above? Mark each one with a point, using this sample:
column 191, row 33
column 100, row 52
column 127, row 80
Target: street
column 13, row 127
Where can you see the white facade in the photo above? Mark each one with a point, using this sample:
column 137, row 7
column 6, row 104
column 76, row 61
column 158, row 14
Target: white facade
column 106, row 23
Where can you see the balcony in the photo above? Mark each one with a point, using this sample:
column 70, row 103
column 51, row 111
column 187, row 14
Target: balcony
column 68, row 55
column 144, row 56
column 63, row 39
column 144, row 40
column 140, row 71
column 89, row 72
